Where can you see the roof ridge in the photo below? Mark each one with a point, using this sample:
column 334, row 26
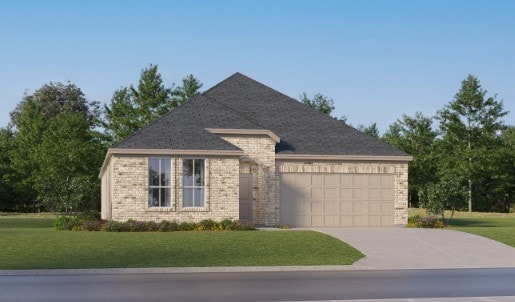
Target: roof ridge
column 223, row 81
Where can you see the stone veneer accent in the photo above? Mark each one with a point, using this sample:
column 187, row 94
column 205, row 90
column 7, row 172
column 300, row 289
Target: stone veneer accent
column 128, row 189
column 259, row 160
column 398, row 169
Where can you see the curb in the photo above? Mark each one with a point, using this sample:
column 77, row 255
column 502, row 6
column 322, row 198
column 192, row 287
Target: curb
column 175, row 270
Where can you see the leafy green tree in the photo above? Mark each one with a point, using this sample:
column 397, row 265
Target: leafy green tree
column 440, row 196
column 7, row 174
column 470, row 125
column 320, row 102
column 371, row 130
column 415, row 136
column 51, row 144
column 133, row 108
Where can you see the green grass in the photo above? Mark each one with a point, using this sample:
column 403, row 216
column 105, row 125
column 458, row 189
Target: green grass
column 496, row 226
column 32, row 243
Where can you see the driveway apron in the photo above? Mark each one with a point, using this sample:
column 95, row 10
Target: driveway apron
column 406, row 248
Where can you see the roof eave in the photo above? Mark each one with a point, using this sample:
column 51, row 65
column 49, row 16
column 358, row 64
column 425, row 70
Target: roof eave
column 391, row 158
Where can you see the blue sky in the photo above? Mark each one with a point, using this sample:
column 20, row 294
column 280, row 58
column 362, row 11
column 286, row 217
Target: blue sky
column 375, row 59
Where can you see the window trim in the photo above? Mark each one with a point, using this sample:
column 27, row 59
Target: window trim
column 204, row 187
column 170, row 186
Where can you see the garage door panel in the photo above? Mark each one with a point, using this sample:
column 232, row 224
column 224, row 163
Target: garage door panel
column 317, row 207
column 374, row 194
column 330, row 221
column 346, row 220
column 374, row 208
column 346, row 207
column 346, row 180
column 330, row 194
column 357, row 220
column 345, row 194
column 317, row 180
column 386, row 194
column 357, row 207
column 374, row 220
column 386, row 180
column 357, row 194
column 317, row 193
column 357, row 180
column 329, row 207
column 374, row 181
column 329, row 180
column 336, row 200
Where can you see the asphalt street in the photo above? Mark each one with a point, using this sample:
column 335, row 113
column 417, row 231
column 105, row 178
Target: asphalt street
column 262, row 286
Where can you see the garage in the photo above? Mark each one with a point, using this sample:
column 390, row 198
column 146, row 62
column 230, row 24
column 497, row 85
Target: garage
column 336, row 200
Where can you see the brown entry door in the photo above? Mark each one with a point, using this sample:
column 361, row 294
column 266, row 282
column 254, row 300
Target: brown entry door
column 246, row 197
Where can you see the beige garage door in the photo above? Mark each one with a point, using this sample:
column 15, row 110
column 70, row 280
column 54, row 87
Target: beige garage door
column 336, row 200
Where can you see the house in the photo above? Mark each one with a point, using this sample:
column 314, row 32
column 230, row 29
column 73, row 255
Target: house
column 242, row 150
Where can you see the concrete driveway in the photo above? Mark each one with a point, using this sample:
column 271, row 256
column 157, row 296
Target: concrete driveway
column 403, row 248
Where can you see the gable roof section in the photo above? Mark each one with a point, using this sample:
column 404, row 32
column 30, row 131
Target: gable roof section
column 184, row 128
column 303, row 130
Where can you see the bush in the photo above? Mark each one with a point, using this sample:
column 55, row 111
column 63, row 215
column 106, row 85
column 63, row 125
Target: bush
column 168, row 226
column 131, row 225
column 66, row 223
column 241, row 225
column 431, row 222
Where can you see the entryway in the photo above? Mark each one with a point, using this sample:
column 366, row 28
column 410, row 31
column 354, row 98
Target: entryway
column 246, row 197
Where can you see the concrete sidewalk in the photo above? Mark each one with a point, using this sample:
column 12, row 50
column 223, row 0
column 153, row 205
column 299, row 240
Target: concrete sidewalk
column 406, row 248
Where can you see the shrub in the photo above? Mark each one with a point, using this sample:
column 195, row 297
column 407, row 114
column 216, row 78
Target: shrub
column 187, row 226
column 93, row 225
column 66, row 223
column 113, row 226
column 168, row 226
column 431, row 222
column 224, row 224
column 241, row 225
column 207, row 225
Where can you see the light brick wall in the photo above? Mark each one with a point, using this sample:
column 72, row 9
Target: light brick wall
column 130, row 190
column 398, row 170
column 259, row 160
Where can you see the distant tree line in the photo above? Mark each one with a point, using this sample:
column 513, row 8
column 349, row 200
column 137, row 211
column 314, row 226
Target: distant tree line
column 54, row 145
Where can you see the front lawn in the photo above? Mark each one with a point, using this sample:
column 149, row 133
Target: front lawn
column 32, row 243
column 496, row 226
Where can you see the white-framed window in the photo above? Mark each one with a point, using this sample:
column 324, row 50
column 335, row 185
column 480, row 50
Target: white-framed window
column 159, row 179
column 193, row 183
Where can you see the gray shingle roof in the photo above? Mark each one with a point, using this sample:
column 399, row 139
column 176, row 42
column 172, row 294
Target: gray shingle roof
column 302, row 129
column 239, row 102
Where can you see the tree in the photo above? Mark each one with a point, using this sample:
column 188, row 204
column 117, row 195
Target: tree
column 7, row 174
column 415, row 136
column 52, row 144
column 440, row 196
column 190, row 87
column 470, row 125
column 320, row 102
column 371, row 130
column 133, row 108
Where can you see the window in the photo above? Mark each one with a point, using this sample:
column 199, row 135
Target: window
column 193, row 183
column 159, row 174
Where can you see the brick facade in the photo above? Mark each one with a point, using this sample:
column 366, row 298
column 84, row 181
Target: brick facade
column 259, row 160
column 128, row 198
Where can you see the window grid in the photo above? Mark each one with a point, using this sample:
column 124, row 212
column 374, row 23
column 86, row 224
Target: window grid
column 162, row 200
column 195, row 187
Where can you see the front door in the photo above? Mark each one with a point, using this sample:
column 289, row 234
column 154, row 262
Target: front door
column 246, row 197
